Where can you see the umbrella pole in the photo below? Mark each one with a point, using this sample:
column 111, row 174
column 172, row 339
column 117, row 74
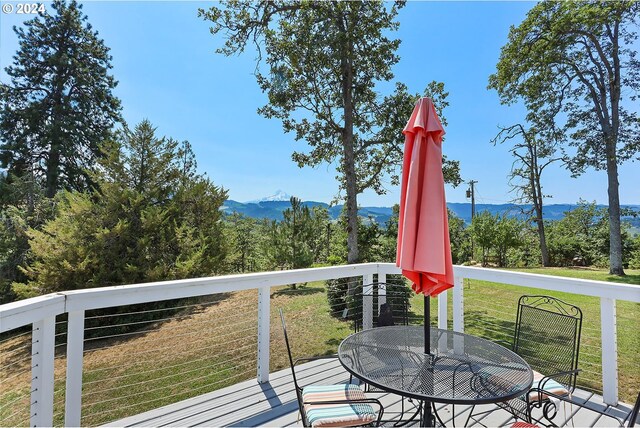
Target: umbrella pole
column 427, row 417
column 427, row 325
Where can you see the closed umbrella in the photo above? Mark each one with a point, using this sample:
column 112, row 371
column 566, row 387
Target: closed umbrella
column 424, row 249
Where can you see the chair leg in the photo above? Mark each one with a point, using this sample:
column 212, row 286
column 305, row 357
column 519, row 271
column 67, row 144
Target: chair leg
column 466, row 423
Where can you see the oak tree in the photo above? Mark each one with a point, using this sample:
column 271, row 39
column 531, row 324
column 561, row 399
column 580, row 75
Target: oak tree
column 324, row 61
column 532, row 154
column 574, row 63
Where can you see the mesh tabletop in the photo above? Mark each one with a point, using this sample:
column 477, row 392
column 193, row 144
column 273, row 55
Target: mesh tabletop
column 461, row 369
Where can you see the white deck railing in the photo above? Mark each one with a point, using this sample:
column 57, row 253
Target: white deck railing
column 40, row 313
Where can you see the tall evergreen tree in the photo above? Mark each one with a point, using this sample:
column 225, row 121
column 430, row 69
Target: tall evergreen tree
column 151, row 217
column 58, row 106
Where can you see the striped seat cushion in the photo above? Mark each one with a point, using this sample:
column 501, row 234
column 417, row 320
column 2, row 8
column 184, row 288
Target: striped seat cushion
column 494, row 376
column 336, row 415
column 550, row 386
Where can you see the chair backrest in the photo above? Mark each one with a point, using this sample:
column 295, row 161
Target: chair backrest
column 386, row 304
column 293, row 371
column 547, row 336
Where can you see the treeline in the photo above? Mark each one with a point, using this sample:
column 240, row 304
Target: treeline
column 150, row 216
column 580, row 238
column 309, row 238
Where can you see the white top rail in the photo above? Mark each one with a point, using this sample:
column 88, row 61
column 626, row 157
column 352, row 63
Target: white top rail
column 25, row 312
column 588, row 287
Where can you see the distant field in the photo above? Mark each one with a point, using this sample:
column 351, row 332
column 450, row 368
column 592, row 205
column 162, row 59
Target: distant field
column 193, row 353
column 632, row 275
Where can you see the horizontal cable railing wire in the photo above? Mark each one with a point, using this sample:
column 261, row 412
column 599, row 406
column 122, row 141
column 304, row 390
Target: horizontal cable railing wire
column 151, row 321
column 628, row 314
column 60, row 370
column 240, row 359
column 167, row 329
column 192, row 379
column 15, row 376
column 149, row 355
column 175, row 397
column 168, row 347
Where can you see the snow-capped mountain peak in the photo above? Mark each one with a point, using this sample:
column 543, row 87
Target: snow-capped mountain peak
column 279, row 195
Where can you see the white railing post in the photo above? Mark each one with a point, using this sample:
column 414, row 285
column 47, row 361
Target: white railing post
column 609, row 351
column 264, row 333
column 367, row 304
column 42, row 358
column 75, row 351
column 458, row 304
column 382, row 292
column 442, row 310
column 382, row 277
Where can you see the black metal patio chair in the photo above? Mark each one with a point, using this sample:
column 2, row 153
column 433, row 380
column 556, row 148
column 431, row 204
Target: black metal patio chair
column 341, row 405
column 547, row 336
column 384, row 303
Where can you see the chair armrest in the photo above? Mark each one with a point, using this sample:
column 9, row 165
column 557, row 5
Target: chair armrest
column 540, row 389
column 547, row 378
column 308, row 359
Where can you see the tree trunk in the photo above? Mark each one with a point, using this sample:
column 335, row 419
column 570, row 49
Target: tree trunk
column 53, row 167
column 615, row 235
column 351, row 185
column 540, row 221
column 544, row 251
column 53, row 161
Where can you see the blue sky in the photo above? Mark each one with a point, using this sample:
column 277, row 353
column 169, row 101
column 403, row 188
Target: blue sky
column 164, row 60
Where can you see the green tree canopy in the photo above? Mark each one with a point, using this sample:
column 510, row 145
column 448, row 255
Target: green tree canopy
column 581, row 237
column 58, row 106
column 574, row 65
column 150, row 218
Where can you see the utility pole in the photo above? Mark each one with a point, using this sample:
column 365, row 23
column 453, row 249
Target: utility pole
column 328, row 240
column 471, row 194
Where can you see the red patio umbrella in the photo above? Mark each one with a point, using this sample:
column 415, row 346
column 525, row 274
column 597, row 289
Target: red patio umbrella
column 424, row 249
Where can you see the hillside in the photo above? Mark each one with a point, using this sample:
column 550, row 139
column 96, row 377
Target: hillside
column 273, row 210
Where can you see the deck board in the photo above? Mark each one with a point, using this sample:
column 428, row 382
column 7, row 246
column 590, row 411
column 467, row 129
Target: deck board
column 274, row 404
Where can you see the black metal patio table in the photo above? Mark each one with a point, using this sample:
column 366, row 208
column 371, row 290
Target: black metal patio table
column 460, row 369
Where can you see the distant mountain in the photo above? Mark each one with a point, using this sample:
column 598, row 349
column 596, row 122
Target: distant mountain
column 550, row 212
column 276, row 197
column 273, row 210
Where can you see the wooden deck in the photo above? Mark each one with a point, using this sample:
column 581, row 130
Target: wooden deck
column 273, row 404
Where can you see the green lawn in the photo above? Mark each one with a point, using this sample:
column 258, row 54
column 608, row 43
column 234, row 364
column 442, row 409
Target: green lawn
column 632, row 275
